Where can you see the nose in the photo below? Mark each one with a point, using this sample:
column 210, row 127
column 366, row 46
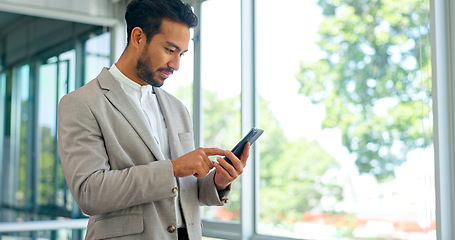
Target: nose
column 174, row 63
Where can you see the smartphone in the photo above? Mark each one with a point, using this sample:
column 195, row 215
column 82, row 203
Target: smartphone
column 251, row 137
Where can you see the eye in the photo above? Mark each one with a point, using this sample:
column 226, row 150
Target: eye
column 169, row 50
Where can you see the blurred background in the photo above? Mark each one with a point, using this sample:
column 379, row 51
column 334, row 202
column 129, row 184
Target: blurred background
column 342, row 88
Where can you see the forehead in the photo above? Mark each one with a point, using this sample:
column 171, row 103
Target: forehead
column 177, row 33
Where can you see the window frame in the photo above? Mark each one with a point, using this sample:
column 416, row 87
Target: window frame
column 443, row 82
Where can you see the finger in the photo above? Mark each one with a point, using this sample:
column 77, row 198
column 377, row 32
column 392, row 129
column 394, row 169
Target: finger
column 197, row 175
column 234, row 159
column 230, row 170
column 226, row 175
column 220, row 169
column 201, row 171
column 245, row 154
column 204, row 169
column 213, row 151
column 207, row 162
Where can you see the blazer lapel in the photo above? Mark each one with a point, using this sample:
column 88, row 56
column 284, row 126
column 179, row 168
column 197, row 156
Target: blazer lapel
column 170, row 119
column 121, row 101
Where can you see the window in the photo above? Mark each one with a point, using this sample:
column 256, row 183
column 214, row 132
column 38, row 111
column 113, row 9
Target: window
column 97, row 55
column 2, row 113
column 221, row 83
column 32, row 81
column 56, row 78
column 345, row 101
column 25, row 136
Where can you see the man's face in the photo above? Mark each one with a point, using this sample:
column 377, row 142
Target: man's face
column 162, row 55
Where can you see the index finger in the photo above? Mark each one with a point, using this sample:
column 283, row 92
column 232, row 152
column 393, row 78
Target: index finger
column 213, row 151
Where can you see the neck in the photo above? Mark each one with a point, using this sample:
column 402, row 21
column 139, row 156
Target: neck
column 127, row 65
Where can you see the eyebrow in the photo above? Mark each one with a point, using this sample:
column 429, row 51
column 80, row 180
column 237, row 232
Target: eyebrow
column 175, row 46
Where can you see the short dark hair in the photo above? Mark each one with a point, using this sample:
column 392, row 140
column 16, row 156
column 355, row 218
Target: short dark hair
column 149, row 14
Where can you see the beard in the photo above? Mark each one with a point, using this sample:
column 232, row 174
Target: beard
column 145, row 72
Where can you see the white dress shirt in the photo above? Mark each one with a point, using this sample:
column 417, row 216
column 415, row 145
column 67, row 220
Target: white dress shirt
column 145, row 99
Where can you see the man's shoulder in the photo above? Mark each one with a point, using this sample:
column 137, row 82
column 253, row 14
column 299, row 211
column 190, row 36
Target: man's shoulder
column 90, row 90
column 85, row 92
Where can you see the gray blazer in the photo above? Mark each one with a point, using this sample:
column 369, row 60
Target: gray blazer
column 113, row 167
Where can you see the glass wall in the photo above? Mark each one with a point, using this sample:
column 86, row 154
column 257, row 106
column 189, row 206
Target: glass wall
column 56, row 78
column 47, row 125
column 345, row 99
column 25, row 136
column 221, row 85
column 32, row 185
column 6, row 200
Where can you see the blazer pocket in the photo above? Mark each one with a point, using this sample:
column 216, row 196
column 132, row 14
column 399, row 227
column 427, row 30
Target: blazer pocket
column 186, row 141
column 118, row 226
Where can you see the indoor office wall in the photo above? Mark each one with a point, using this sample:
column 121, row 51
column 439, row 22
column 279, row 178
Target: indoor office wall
column 42, row 59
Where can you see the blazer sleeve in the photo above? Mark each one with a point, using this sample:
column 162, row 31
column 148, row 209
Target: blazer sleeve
column 208, row 194
column 95, row 186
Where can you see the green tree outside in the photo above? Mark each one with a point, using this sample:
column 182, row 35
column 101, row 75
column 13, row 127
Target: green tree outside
column 374, row 79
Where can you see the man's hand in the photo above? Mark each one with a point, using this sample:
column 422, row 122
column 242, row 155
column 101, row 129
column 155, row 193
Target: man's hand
column 195, row 163
column 227, row 173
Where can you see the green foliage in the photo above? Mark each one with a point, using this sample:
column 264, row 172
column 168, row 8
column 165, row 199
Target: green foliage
column 221, row 120
column 295, row 182
column 22, row 191
column 222, row 130
column 47, row 159
column 373, row 79
column 291, row 172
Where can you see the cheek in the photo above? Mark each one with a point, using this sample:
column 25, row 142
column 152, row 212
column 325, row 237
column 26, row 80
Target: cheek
column 158, row 59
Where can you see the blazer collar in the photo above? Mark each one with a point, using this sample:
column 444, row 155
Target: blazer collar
column 170, row 119
column 118, row 98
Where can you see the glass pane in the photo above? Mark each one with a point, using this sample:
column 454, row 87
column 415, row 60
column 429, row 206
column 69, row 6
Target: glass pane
column 3, row 141
column 66, row 84
column 7, row 173
column 221, row 84
column 67, row 72
column 97, row 55
column 2, row 112
column 345, row 101
column 23, row 194
column 47, row 111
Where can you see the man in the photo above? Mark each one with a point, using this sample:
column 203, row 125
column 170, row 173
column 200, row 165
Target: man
column 126, row 145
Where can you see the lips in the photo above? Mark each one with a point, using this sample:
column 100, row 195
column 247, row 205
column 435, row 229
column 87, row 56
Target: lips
column 165, row 73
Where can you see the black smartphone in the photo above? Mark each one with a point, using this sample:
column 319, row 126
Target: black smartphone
column 251, row 137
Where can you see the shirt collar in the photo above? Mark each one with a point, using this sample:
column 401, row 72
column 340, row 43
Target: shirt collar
column 127, row 81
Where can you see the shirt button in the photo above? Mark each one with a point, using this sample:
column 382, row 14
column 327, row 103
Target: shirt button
column 175, row 190
column 171, row 229
column 224, row 199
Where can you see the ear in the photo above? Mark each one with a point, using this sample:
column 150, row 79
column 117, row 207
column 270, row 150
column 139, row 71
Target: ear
column 138, row 38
